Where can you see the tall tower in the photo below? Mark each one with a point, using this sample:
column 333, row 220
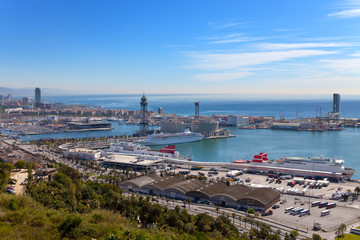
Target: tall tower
column 144, row 121
column 336, row 103
column 37, row 97
column 197, row 109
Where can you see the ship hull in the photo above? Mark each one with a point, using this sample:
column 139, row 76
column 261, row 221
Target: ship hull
column 172, row 140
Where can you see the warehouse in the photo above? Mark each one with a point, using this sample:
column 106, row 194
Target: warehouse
column 229, row 197
column 259, row 199
column 157, row 187
column 204, row 193
column 136, row 184
column 179, row 190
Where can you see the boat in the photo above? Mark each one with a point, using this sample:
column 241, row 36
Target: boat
column 172, row 138
column 311, row 166
column 136, row 149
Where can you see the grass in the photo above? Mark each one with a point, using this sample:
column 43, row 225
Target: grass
column 349, row 237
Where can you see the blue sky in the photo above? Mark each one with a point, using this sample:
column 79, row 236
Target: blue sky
column 234, row 47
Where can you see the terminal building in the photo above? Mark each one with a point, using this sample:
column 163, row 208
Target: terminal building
column 216, row 193
column 83, row 154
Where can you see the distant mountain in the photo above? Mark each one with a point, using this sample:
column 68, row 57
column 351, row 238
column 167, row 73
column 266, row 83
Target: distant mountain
column 30, row 92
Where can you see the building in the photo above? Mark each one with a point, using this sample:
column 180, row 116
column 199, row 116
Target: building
column 260, row 199
column 285, row 126
column 336, row 103
column 230, row 195
column 204, row 193
column 179, row 190
column 37, row 97
column 87, row 126
column 137, row 183
column 83, row 154
column 217, row 193
column 237, row 120
column 157, row 187
column 137, row 163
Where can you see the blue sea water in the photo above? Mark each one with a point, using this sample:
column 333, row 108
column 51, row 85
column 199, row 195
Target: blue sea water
column 343, row 144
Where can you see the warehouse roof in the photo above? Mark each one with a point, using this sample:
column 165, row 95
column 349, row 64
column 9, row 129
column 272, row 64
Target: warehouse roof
column 262, row 195
column 142, row 180
column 235, row 191
column 187, row 185
column 208, row 190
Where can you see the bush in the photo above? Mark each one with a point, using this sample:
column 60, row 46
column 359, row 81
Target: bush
column 251, row 211
column 13, row 206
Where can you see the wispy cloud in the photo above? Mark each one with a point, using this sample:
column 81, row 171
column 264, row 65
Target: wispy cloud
column 350, row 65
column 233, row 61
column 230, row 38
column 220, row 77
column 216, row 26
column 350, row 13
column 236, row 40
column 284, row 46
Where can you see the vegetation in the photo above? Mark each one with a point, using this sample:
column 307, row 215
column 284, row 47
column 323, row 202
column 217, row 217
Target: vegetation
column 68, row 208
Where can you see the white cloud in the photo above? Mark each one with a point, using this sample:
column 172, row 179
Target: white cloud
column 231, row 61
column 235, row 40
column 283, row 46
column 216, row 26
column 220, row 77
column 350, row 65
column 346, row 13
column 230, row 38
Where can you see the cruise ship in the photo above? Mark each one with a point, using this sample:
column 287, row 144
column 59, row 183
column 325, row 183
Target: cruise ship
column 312, row 166
column 172, row 138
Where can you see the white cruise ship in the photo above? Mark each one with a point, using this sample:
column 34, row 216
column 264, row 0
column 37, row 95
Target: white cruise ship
column 172, row 138
column 318, row 166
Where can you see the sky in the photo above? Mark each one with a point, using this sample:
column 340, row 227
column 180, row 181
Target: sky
column 255, row 47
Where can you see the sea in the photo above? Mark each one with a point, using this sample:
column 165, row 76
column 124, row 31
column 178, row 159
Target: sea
column 277, row 143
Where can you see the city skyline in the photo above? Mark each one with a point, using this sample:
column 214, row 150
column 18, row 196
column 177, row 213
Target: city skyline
column 237, row 47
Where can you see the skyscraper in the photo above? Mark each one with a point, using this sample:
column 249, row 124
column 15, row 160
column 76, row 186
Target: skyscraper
column 37, row 97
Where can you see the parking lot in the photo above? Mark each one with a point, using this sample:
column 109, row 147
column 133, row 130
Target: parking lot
column 340, row 214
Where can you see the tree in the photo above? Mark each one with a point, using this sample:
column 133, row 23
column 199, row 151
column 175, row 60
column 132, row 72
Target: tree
column 357, row 190
column 30, row 165
column 233, row 216
column 217, row 211
column 316, row 237
column 240, row 218
column 20, row 164
column 340, row 230
column 251, row 211
column 188, row 201
column 7, row 166
column 294, row 234
column 13, row 206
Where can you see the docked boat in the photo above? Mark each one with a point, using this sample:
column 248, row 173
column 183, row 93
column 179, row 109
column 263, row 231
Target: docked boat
column 312, row 166
column 172, row 138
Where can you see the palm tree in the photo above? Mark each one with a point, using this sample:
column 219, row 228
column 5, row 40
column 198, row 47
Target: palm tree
column 340, row 230
column 233, row 216
column 217, row 211
column 240, row 218
column 167, row 201
column 357, row 190
column 189, row 201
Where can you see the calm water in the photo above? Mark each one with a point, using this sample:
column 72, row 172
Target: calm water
column 277, row 144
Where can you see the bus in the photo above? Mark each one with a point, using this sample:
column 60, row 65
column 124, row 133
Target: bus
column 296, row 211
column 314, row 204
column 323, row 204
column 355, row 231
column 288, row 209
column 304, row 212
column 331, row 205
column 324, row 213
